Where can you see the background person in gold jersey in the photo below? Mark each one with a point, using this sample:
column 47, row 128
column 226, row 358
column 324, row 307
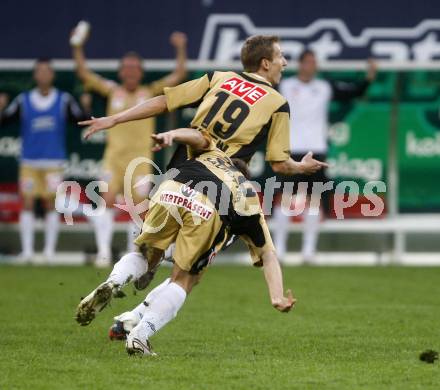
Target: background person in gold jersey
column 121, row 150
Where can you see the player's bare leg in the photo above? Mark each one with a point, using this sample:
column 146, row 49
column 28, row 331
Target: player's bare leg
column 160, row 311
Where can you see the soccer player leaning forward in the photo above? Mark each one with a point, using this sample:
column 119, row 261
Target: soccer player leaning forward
column 241, row 111
column 180, row 212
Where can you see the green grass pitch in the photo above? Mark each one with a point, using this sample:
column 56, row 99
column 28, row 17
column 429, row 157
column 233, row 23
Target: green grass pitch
column 352, row 328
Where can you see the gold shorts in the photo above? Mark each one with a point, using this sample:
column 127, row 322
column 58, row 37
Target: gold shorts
column 39, row 182
column 182, row 215
column 118, row 170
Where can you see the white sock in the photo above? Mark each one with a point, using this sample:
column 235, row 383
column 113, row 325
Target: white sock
column 161, row 310
column 27, row 221
column 310, row 233
column 52, row 224
column 139, row 310
column 104, row 232
column 130, row 267
column 132, row 232
column 281, row 231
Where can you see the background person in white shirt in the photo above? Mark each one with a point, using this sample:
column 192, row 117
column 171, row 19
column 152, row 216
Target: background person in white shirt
column 309, row 99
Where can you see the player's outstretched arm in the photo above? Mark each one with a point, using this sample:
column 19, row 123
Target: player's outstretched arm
column 307, row 166
column 274, row 281
column 77, row 40
column 147, row 109
column 91, row 80
column 80, row 62
column 179, row 41
column 191, row 137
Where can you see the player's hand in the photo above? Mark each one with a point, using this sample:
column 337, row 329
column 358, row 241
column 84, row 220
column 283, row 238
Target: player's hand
column 4, row 100
column 81, row 42
column 162, row 140
column 310, row 165
column 178, row 39
column 284, row 304
column 371, row 69
column 97, row 124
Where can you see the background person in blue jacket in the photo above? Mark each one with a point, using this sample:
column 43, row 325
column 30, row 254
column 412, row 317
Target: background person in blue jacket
column 43, row 113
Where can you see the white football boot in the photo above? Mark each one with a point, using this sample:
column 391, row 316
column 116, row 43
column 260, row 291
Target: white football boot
column 95, row 302
column 138, row 344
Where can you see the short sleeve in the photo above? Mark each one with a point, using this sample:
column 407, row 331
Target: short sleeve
column 258, row 239
column 187, row 94
column 278, row 142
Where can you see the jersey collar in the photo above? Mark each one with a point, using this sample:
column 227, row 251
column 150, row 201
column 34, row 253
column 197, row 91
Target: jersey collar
column 255, row 78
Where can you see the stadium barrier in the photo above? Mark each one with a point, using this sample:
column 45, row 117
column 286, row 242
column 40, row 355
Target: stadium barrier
column 391, row 135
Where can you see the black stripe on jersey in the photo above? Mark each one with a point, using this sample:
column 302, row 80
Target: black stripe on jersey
column 193, row 172
column 246, row 152
column 284, row 108
column 210, row 75
column 248, row 78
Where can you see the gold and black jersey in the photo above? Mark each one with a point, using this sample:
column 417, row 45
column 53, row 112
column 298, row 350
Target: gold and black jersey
column 241, row 111
column 213, row 174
